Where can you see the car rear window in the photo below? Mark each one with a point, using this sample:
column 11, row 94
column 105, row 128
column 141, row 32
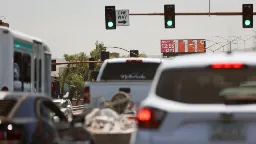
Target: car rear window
column 6, row 106
column 205, row 86
column 129, row 71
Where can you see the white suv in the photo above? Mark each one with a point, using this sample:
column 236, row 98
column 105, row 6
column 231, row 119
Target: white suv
column 201, row 99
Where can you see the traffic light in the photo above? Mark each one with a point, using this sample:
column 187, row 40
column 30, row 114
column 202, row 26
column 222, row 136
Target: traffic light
column 54, row 95
column 104, row 55
column 169, row 16
column 247, row 15
column 91, row 65
column 110, row 17
column 53, row 65
column 134, row 53
column 55, row 89
column 4, row 24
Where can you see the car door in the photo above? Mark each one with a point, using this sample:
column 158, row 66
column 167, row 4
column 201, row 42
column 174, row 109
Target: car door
column 51, row 117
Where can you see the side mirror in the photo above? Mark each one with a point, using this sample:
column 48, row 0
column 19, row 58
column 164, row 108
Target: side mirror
column 78, row 120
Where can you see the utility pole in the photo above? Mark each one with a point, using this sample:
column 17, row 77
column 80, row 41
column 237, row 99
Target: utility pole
column 230, row 46
column 209, row 8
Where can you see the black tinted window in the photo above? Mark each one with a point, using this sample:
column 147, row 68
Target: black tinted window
column 205, row 86
column 129, row 71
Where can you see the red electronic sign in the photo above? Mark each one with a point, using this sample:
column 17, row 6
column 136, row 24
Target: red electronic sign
column 167, row 46
column 183, row 46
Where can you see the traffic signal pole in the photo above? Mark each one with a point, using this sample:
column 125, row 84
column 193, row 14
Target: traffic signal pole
column 192, row 14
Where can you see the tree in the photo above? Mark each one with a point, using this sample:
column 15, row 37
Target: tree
column 95, row 53
column 75, row 74
column 143, row 55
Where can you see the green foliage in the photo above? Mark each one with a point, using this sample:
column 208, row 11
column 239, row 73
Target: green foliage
column 77, row 74
column 143, row 55
column 96, row 53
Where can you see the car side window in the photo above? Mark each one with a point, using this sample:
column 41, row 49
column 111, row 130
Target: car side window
column 48, row 110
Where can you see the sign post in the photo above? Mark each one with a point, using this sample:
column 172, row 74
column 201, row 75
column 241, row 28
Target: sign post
column 122, row 17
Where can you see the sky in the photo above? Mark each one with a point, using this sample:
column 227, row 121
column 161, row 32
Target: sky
column 73, row 26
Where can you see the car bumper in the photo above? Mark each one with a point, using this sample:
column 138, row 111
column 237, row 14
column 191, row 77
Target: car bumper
column 146, row 137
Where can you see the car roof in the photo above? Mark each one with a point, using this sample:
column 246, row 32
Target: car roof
column 202, row 60
column 26, row 37
column 18, row 95
column 122, row 60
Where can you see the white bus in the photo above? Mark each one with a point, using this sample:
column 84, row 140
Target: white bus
column 25, row 63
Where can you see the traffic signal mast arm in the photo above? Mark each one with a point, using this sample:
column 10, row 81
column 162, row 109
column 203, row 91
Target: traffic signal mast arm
column 193, row 13
column 79, row 62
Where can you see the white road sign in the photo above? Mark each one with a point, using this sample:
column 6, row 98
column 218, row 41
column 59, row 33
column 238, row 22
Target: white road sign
column 122, row 18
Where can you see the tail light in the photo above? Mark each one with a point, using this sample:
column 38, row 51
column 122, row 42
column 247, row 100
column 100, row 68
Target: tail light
column 14, row 135
column 11, row 135
column 227, row 65
column 5, row 89
column 87, row 95
column 8, row 132
column 150, row 118
column 133, row 60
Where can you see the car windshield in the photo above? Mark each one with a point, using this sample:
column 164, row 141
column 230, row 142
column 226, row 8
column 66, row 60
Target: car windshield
column 206, row 86
column 129, row 71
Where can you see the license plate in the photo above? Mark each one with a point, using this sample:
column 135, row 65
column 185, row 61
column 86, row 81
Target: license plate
column 228, row 132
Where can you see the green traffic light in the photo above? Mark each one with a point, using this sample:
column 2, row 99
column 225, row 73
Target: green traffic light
column 110, row 24
column 247, row 22
column 169, row 23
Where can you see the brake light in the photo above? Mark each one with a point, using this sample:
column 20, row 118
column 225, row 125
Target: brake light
column 11, row 135
column 5, row 89
column 227, row 66
column 87, row 95
column 133, row 60
column 150, row 118
column 14, row 135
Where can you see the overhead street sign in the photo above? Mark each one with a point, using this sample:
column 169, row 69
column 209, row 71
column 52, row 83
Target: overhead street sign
column 122, row 17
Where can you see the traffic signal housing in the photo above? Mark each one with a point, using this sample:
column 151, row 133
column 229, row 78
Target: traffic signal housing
column 91, row 65
column 110, row 17
column 55, row 89
column 53, row 65
column 104, row 55
column 169, row 16
column 134, row 53
column 247, row 13
column 4, row 24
